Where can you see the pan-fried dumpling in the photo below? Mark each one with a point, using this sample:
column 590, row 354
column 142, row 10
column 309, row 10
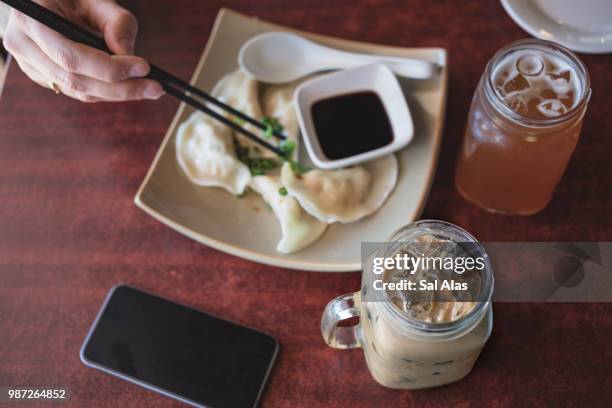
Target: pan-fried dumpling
column 344, row 195
column 205, row 151
column 241, row 92
column 298, row 229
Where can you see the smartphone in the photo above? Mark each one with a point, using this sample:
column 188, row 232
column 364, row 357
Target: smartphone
column 178, row 351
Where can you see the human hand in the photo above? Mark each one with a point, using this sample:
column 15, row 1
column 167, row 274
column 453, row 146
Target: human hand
column 77, row 70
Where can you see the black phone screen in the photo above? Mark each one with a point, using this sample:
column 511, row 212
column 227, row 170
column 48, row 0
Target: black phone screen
column 179, row 351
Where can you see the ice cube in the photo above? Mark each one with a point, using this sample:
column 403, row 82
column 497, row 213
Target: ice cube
column 567, row 75
column 501, row 79
column 560, row 83
column 424, row 245
column 517, row 104
column 551, row 108
column 530, row 65
column 516, row 84
column 548, row 94
column 567, row 100
column 399, row 275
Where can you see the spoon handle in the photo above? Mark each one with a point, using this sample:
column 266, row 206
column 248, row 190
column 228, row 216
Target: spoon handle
column 405, row 67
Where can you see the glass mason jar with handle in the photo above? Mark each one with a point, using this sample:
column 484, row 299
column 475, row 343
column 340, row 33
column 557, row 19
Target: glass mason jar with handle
column 523, row 126
column 407, row 353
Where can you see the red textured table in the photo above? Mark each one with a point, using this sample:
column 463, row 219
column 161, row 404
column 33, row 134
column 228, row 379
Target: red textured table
column 69, row 230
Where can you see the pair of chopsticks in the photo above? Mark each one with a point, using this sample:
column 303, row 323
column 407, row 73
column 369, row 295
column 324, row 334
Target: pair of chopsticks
column 171, row 84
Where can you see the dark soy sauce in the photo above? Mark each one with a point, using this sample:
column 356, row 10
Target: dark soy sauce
column 351, row 124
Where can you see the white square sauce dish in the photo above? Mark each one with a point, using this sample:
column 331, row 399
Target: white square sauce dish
column 353, row 116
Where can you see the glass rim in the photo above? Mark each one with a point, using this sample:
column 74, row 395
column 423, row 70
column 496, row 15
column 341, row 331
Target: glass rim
column 534, row 43
column 458, row 326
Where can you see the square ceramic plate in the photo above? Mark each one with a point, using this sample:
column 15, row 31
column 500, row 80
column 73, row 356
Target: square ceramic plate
column 246, row 227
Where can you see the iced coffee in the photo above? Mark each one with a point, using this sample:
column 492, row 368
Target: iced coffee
column 413, row 337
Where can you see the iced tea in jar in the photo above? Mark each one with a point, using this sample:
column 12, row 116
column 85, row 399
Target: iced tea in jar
column 523, row 126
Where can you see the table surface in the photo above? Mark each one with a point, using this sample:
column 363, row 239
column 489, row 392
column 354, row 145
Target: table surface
column 69, row 230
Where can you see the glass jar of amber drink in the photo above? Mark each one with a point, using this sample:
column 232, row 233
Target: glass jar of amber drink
column 523, row 126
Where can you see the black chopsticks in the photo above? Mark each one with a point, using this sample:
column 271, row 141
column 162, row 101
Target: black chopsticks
column 172, row 85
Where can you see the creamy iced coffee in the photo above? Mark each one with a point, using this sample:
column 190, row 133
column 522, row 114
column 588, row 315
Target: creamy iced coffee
column 422, row 323
column 404, row 359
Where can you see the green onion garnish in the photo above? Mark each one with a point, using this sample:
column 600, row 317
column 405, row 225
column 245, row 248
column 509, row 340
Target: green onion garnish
column 272, row 125
column 298, row 168
column 287, row 146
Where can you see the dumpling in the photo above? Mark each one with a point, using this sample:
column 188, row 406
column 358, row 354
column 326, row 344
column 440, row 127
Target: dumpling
column 298, row 229
column 206, row 153
column 344, row 195
column 241, row 92
column 277, row 102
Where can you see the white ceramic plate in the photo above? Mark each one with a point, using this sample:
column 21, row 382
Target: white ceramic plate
column 246, row 227
column 582, row 26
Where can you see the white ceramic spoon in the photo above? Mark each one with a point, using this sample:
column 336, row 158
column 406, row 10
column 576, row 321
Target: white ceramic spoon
column 279, row 57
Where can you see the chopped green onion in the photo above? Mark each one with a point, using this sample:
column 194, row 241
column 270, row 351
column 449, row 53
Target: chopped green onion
column 298, row 168
column 268, row 132
column 287, row 146
column 257, row 165
column 272, row 125
column 283, row 191
column 260, row 166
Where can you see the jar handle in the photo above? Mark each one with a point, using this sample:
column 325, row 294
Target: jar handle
column 341, row 308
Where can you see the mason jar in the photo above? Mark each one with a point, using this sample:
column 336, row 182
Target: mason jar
column 403, row 352
column 523, row 126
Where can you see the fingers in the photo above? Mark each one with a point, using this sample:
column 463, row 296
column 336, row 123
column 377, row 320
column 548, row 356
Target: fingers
column 80, row 59
column 83, row 88
column 40, row 79
column 79, row 71
column 33, row 74
column 117, row 24
column 40, row 68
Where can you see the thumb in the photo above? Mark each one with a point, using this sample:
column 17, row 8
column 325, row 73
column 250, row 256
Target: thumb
column 118, row 25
